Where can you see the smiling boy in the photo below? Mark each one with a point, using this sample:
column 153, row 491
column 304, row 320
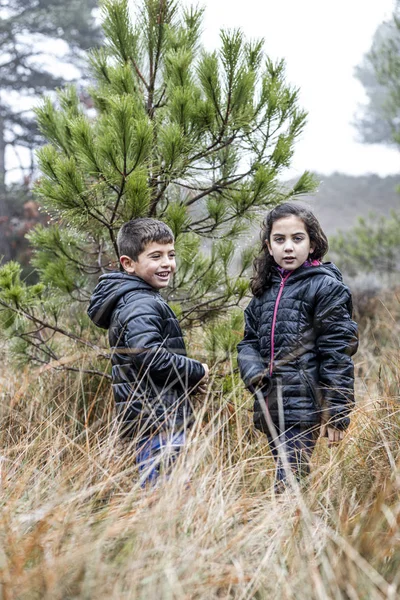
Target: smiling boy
column 151, row 375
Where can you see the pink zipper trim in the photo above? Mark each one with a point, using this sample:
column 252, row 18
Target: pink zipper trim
column 278, row 299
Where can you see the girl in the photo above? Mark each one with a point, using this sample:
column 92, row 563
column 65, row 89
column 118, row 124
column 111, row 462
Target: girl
column 298, row 342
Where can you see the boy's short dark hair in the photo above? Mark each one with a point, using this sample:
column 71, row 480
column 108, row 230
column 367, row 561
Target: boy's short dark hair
column 136, row 234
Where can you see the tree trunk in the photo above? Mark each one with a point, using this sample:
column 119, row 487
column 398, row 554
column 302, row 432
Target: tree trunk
column 5, row 251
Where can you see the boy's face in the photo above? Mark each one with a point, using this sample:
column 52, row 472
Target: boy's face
column 155, row 265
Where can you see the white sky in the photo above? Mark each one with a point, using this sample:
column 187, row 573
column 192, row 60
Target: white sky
column 322, row 41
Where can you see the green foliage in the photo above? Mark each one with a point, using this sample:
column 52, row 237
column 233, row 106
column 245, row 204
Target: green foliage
column 32, row 315
column 372, row 246
column 118, row 30
column 15, row 296
column 223, row 336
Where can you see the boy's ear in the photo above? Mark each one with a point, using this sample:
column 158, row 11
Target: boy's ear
column 127, row 264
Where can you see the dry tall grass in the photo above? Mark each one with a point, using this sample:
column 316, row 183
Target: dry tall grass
column 76, row 524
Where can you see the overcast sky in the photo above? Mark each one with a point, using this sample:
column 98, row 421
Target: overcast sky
column 322, row 41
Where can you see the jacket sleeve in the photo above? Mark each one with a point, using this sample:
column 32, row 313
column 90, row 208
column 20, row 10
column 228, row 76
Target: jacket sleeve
column 143, row 338
column 336, row 341
column 251, row 365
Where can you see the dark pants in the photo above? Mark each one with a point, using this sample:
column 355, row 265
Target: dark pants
column 157, row 454
column 296, row 444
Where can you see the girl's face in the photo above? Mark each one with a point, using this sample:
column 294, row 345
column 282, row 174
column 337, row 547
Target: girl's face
column 289, row 243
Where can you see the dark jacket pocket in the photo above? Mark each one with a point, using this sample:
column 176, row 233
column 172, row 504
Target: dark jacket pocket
column 312, row 390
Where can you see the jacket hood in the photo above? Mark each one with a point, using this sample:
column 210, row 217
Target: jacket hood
column 107, row 293
column 327, row 268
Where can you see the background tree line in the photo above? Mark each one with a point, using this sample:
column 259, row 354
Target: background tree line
column 374, row 244
column 39, row 39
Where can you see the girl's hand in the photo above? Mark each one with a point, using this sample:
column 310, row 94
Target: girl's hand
column 334, row 435
column 207, row 373
column 202, row 385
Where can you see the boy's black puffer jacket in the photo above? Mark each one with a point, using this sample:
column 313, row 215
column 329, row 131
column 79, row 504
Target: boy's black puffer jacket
column 314, row 340
column 151, row 374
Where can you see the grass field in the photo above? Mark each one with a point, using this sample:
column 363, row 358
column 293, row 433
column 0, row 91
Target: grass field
column 74, row 522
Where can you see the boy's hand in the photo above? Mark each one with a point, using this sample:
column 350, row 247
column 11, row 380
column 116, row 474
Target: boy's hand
column 334, row 435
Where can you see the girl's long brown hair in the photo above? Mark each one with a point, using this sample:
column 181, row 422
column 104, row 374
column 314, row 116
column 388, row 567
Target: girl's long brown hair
column 264, row 263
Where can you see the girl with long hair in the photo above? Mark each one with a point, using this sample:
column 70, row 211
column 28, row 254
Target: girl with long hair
column 299, row 337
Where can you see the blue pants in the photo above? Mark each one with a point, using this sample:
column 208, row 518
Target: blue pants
column 297, row 443
column 157, row 454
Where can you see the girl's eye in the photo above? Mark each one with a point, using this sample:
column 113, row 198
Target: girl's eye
column 298, row 238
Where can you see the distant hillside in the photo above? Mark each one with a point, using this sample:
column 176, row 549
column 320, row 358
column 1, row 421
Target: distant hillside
column 341, row 199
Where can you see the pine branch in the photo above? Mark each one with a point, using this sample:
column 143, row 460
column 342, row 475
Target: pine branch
column 156, row 200
column 122, row 186
column 213, row 149
column 217, row 187
column 21, row 312
column 206, row 308
column 86, row 371
column 42, row 345
column 160, row 103
column 89, row 269
column 139, row 74
column 154, row 65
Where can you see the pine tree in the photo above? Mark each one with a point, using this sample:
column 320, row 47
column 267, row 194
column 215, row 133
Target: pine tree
column 195, row 138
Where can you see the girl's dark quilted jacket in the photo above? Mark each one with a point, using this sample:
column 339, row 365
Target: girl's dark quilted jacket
column 315, row 338
column 151, row 374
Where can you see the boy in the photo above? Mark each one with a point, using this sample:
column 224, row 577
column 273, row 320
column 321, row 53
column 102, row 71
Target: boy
column 151, row 374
